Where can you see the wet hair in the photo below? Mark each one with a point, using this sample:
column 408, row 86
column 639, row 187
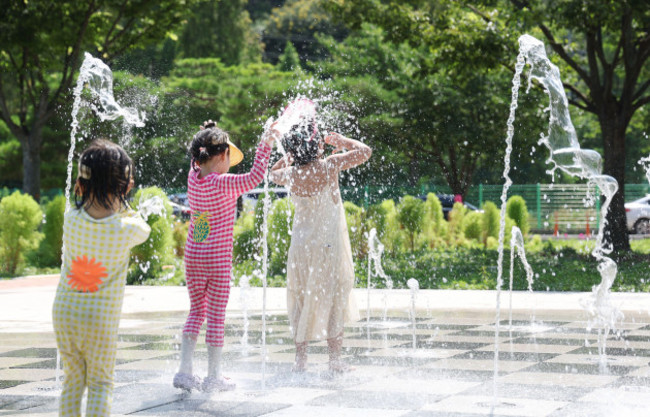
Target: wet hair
column 105, row 172
column 302, row 142
column 207, row 143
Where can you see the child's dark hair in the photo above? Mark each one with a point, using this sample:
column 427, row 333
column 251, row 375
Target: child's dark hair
column 207, row 143
column 302, row 142
column 105, row 172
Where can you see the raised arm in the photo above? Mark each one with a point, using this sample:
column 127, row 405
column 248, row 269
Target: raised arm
column 237, row 184
column 357, row 152
column 280, row 170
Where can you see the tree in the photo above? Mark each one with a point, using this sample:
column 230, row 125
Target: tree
column 437, row 122
column 220, row 29
column 602, row 46
column 41, row 43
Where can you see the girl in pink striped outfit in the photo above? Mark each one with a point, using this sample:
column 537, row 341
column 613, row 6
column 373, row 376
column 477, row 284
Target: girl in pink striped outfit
column 212, row 195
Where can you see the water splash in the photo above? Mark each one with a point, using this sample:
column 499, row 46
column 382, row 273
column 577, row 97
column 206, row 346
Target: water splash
column 244, row 288
column 517, row 244
column 151, row 206
column 97, row 78
column 414, row 286
column 375, row 252
column 566, row 155
column 298, row 112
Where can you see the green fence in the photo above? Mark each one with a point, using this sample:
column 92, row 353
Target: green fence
column 567, row 208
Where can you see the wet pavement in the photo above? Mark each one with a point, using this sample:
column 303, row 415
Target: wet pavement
column 548, row 359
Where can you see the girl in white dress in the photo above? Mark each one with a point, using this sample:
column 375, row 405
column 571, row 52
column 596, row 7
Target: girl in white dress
column 320, row 270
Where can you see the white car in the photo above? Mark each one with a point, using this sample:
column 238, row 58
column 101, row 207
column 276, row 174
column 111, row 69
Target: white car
column 638, row 215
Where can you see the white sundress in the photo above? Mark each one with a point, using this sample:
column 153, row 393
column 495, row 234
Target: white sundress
column 320, row 270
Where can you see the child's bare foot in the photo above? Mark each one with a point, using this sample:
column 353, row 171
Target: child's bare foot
column 340, row 367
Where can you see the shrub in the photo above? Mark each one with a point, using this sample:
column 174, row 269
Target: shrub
column 393, row 237
column 245, row 238
column 490, row 225
column 354, row 216
column 456, row 218
column 49, row 250
column 517, row 211
column 472, row 225
column 376, row 217
column 20, row 217
column 259, row 213
column 280, row 223
column 435, row 214
column 148, row 258
column 179, row 235
column 410, row 213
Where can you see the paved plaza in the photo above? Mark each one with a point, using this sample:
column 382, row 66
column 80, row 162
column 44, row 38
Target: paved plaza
column 548, row 360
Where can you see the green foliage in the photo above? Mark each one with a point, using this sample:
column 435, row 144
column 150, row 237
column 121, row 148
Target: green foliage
column 179, row 234
column 393, row 238
column 245, row 238
column 517, row 211
column 376, row 218
column 208, row 89
column 301, row 21
column 148, row 258
column 355, row 219
column 20, row 217
column 280, row 224
column 473, row 225
column 289, row 60
column 49, row 250
column 411, row 214
column 42, row 46
column 491, row 217
column 456, row 219
column 436, row 227
column 220, row 29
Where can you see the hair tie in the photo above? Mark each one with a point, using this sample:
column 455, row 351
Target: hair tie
column 203, row 149
column 84, row 171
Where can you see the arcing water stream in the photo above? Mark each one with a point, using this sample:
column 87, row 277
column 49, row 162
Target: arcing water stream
column 565, row 154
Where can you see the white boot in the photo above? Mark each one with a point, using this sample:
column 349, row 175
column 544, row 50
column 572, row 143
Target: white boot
column 184, row 378
column 215, row 381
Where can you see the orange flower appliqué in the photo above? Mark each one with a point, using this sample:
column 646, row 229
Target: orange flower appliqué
column 86, row 274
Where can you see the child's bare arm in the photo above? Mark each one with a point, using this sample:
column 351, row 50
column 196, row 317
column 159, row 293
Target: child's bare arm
column 357, row 152
column 280, row 170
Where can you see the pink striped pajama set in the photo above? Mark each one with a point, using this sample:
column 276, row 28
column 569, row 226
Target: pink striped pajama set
column 208, row 251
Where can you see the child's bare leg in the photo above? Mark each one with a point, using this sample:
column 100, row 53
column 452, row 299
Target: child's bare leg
column 334, row 346
column 301, row 357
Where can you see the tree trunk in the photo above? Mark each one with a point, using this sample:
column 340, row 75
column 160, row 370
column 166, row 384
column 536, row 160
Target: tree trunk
column 31, row 147
column 613, row 128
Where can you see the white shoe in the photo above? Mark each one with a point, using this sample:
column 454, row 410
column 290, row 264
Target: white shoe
column 221, row 383
column 186, row 382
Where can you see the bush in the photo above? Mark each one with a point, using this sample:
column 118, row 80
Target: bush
column 435, row 215
column 456, row 219
column 179, row 234
column 148, row 258
column 354, row 216
column 49, row 250
column 517, row 211
column 472, row 225
column 393, row 237
column 377, row 218
column 491, row 217
column 245, row 238
column 20, row 217
column 280, row 223
column 410, row 213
